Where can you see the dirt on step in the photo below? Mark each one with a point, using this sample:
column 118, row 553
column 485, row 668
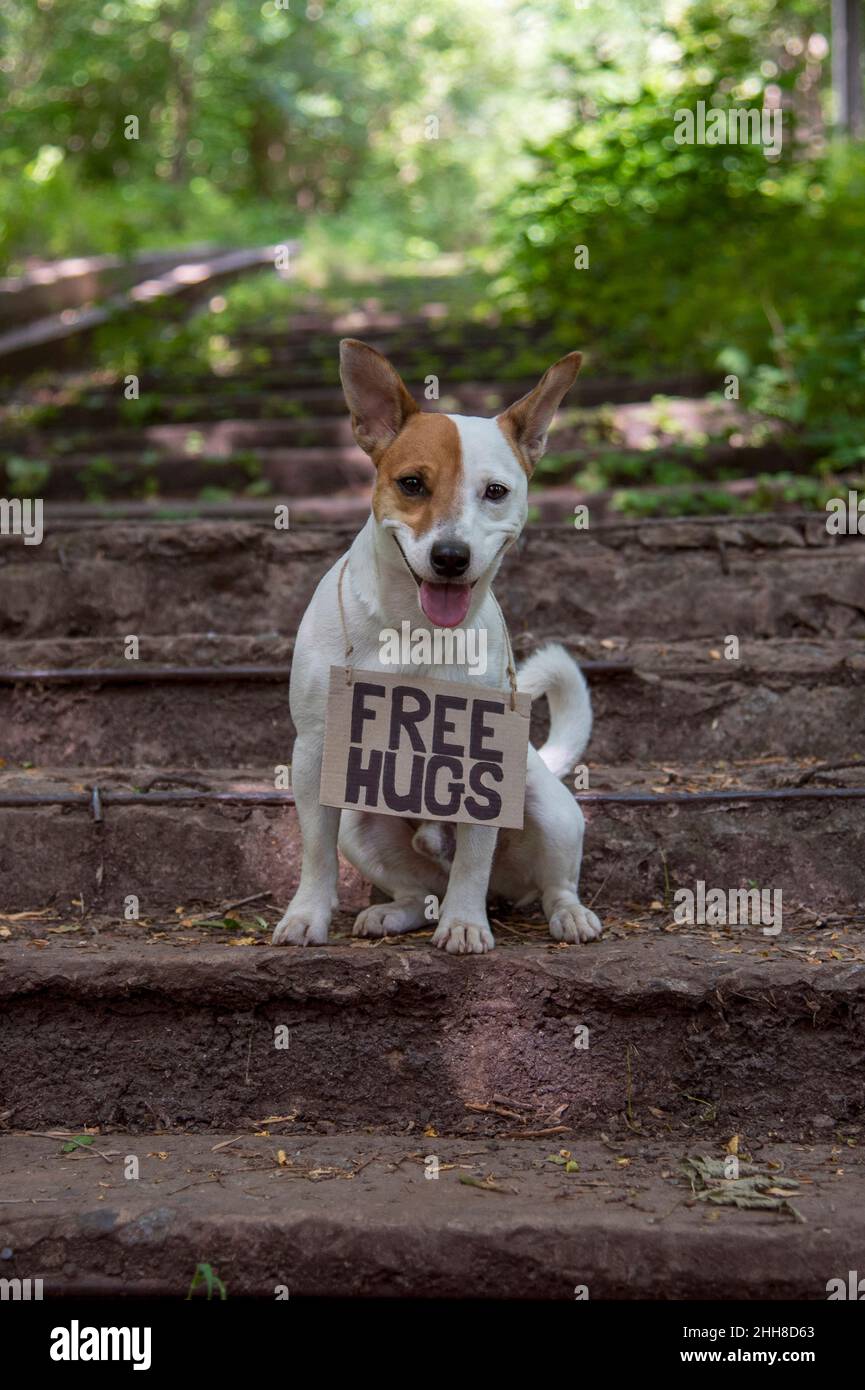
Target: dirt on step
column 417, row 1215
column 656, row 1029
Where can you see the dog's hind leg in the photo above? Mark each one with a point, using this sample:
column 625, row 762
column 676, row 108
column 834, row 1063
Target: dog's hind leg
column 555, row 834
column 380, row 847
column 543, row 860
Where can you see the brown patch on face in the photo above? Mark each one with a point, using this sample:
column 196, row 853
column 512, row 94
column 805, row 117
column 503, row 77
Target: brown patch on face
column 428, row 447
column 508, row 427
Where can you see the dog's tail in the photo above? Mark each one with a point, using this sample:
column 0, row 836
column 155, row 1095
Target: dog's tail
column 553, row 673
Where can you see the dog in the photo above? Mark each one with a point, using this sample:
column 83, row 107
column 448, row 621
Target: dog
column 450, row 497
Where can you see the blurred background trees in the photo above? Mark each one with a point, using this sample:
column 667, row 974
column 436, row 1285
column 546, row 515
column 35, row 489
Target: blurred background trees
column 254, row 118
column 498, row 133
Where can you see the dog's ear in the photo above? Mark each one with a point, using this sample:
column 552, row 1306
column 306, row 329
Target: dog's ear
column 527, row 421
column 376, row 396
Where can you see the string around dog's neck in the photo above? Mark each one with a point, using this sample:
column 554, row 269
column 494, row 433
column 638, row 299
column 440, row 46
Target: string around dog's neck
column 349, row 648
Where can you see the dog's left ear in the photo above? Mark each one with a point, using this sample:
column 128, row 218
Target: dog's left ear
column 376, row 395
column 528, row 419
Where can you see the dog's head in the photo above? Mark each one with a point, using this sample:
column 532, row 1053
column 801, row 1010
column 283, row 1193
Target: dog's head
column 451, row 489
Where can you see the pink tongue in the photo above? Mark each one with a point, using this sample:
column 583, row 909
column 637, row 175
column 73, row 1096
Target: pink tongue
column 445, row 604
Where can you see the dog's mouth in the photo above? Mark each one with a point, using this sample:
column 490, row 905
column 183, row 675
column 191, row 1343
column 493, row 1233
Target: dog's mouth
column 446, row 605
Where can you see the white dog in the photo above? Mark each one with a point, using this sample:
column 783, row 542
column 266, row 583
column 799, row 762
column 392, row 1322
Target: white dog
column 450, row 496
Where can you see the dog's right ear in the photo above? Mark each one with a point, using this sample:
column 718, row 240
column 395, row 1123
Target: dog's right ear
column 376, row 396
column 528, row 419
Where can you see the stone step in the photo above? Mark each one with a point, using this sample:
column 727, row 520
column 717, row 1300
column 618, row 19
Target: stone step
column 346, row 509
column 755, row 579
column 269, row 394
column 655, row 1030
column 182, row 462
column 636, row 426
column 738, row 499
column 181, row 836
column 358, row 1216
column 194, row 700
column 318, row 362
column 406, row 332
column 193, row 438
column 290, row 472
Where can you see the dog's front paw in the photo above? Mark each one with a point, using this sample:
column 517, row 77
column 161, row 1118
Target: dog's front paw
column 463, row 938
column 302, row 926
column 573, row 922
column 390, row 919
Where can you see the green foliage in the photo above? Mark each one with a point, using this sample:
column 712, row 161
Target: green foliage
column 818, row 375
column 254, row 117
column 772, row 492
column 26, row 477
column 493, row 138
column 712, row 256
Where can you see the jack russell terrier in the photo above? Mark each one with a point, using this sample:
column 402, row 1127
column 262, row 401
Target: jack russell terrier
column 450, row 497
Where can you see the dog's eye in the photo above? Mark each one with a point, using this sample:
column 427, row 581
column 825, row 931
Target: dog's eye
column 495, row 492
column 412, row 485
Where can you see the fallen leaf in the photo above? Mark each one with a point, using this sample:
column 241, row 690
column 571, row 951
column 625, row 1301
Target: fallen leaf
column 484, row 1185
column 752, row 1190
column 79, row 1141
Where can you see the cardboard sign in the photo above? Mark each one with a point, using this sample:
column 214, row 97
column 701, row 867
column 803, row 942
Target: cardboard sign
column 425, row 749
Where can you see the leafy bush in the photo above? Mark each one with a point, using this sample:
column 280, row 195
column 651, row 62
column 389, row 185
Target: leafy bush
column 706, row 256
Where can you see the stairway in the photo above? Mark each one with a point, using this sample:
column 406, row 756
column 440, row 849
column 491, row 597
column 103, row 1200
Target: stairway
column 430, row 1124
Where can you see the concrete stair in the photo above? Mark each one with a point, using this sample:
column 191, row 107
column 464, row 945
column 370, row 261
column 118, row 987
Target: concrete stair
column 171, row 836
column 305, row 1166
column 355, row 1216
column 766, row 578
column 76, row 702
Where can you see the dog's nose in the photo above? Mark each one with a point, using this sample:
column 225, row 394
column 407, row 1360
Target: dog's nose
column 450, row 559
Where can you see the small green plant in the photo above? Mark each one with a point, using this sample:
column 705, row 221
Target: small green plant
column 26, row 477
column 211, row 493
column 205, row 1274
